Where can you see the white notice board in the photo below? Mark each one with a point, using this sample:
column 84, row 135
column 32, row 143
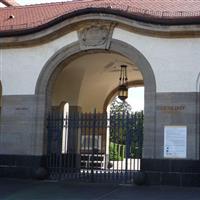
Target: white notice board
column 175, row 141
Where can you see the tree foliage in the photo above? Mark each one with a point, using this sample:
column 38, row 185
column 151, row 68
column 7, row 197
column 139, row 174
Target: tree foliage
column 126, row 130
column 118, row 106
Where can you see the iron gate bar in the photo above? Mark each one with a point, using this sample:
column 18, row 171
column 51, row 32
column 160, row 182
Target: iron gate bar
column 93, row 137
column 77, row 146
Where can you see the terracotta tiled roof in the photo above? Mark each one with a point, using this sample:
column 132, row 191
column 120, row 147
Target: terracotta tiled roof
column 33, row 16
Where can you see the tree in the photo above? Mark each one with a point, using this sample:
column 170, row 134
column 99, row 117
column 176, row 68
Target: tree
column 126, row 130
column 118, row 106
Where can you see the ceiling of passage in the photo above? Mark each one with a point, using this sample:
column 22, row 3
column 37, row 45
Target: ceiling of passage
column 89, row 79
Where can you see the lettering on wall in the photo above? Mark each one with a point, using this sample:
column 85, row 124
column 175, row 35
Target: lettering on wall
column 22, row 108
column 167, row 108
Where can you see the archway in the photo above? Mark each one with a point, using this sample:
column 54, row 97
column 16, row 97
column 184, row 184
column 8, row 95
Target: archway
column 66, row 55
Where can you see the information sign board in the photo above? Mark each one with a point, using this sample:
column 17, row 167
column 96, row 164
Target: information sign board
column 175, row 141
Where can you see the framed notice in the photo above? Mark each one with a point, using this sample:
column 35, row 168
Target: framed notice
column 175, row 141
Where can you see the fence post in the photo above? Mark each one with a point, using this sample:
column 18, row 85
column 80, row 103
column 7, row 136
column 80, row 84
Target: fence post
column 93, row 143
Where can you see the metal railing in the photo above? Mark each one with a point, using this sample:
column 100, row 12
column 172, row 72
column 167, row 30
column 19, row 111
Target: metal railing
column 95, row 147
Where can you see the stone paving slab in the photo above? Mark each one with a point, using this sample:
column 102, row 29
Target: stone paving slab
column 43, row 190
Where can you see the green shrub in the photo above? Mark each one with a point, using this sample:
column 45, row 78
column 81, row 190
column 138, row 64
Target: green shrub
column 116, row 152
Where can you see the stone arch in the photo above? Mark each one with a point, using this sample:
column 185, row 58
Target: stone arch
column 70, row 52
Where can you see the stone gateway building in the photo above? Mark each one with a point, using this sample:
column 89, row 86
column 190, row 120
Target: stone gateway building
column 71, row 52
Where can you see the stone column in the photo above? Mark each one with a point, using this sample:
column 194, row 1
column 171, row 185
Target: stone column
column 21, row 146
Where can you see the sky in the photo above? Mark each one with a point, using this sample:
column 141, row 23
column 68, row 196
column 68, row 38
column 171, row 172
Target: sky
column 136, row 98
column 136, row 95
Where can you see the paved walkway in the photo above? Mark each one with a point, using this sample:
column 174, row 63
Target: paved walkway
column 34, row 190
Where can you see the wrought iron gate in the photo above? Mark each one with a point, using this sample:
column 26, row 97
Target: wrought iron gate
column 94, row 147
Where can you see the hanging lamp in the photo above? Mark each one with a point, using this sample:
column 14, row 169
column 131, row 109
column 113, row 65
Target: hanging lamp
column 123, row 88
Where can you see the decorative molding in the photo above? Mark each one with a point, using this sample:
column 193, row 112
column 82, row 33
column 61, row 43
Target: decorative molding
column 96, row 36
column 47, row 33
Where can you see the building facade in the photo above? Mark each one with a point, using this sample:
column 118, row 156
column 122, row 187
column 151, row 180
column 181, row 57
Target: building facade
column 55, row 53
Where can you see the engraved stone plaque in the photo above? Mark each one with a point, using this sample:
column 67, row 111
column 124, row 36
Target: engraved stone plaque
column 95, row 36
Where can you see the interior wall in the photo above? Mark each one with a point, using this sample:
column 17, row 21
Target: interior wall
column 67, row 86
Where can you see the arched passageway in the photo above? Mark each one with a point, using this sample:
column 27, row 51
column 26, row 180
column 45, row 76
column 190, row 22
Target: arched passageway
column 55, row 65
column 94, row 141
column 85, row 79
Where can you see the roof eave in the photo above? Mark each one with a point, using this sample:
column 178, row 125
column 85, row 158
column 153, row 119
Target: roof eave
column 149, row 19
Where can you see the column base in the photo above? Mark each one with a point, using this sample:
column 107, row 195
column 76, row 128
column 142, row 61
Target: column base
column 20, row 166
column 171, row 172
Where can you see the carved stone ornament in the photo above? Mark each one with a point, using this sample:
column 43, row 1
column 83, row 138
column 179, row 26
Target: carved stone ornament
column 95, row 37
